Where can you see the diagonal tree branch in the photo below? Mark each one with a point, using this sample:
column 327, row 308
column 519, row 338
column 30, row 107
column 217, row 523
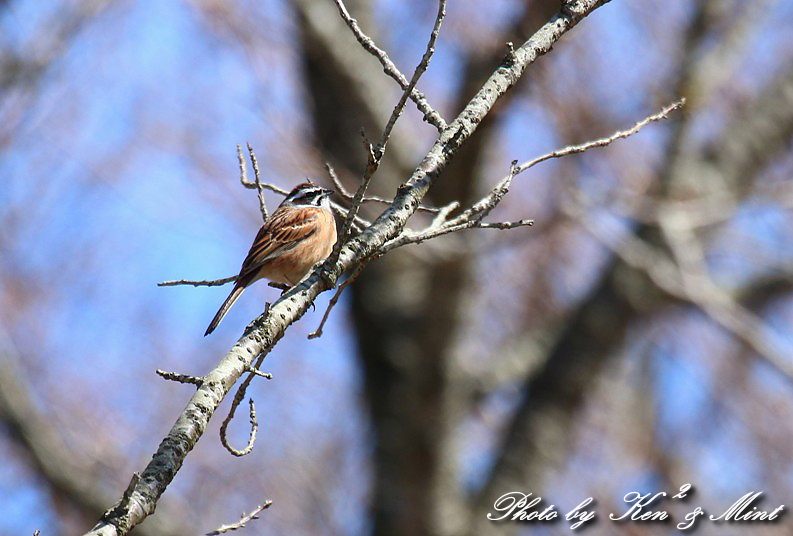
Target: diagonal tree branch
column 262, row 335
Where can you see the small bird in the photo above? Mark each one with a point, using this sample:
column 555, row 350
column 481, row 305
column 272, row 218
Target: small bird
column 299, row 234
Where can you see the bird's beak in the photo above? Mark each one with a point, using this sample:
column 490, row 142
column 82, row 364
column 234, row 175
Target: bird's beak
column 327, row 192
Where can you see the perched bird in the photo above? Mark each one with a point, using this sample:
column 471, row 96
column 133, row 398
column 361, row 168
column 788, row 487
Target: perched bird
column 299, row 234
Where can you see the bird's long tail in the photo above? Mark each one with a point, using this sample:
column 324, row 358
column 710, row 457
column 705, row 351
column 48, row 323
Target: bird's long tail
column 235, row 293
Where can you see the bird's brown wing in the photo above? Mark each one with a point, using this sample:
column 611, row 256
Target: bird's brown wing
column 283, row 231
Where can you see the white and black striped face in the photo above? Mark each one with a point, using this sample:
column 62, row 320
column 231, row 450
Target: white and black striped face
column 308, row 195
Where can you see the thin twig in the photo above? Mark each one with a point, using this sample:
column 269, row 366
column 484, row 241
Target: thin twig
column 241, row 523
column 258, row 372
column 420, row 69
column 482, row 207
column 181, row 378
column 130, row 487
column 373, row 156
column 429, row 233
column 602, row 142
column 343, row 192
column 257, row 181
column 372, row 163
column 332, row 303
column 430, row 115
column 243, row 168
column 334, row 178
column 502, row 225
column 213, row 283
column 375, row 153
column 238, row 396
column 384, row 201
column 267, row 186
column 443, row 214
column 358, row 223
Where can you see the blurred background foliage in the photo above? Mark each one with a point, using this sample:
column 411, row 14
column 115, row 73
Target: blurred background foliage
column 637, row 338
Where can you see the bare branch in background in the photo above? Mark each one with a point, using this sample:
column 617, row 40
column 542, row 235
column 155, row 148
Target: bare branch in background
column 68, row 473
column 686, row 279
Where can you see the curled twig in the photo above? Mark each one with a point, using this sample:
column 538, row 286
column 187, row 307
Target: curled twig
column 252, row 418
